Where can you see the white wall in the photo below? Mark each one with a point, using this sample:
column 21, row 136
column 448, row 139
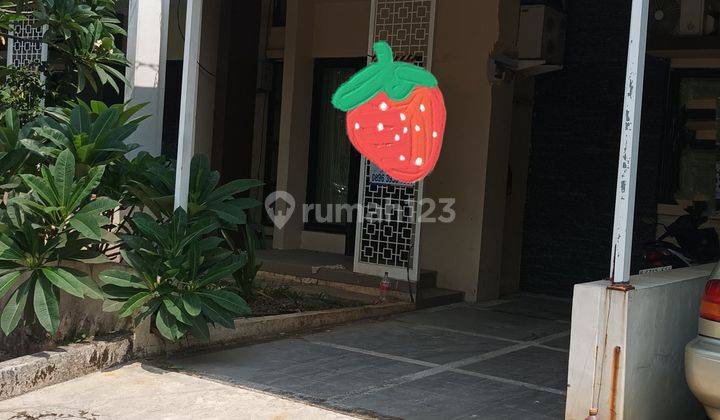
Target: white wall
column 650, row 327
column 146, row 51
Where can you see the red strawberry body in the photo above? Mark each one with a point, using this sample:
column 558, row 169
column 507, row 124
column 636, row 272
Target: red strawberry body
column 403, row 138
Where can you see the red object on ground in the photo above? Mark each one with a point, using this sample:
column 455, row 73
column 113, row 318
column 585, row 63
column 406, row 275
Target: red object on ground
column 403, row 138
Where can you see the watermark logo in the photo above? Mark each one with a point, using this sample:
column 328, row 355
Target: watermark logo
column 280, row 206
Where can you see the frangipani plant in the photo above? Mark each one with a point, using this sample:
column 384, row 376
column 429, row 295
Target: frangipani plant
column 177, row 277
column 58, row 219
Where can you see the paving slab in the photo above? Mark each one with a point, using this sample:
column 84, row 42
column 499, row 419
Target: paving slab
column 537, row 307
column 488, row 322
column 534, row 365
column 296, row 367
column 459, row 361
column 451, row 395
column 139, row 391
column 409, row 340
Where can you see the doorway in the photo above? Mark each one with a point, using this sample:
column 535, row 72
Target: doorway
column 334, row 165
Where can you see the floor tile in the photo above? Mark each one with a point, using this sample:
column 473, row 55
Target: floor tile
column 500, row 324
column 534, row 365
column 409, row 340
column 297, row 367
column 453, row 396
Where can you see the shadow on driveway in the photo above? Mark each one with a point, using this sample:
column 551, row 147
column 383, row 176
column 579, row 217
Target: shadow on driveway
column 502, row 360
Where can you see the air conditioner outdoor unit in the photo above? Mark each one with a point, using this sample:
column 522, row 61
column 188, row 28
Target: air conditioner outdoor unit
column 541, row 34
column 677, row 17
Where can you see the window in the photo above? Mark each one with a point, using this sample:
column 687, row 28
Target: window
column 333, row 166
column 279, row 11
column 689, row 159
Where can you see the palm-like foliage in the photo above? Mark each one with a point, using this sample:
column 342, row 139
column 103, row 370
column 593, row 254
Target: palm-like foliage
column 223, row 204
column 95, row 133
column 176, row 277
column 56, row 220
column 82, row 34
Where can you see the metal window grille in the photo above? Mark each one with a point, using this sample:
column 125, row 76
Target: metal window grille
column 388, row 241
column 24, row 48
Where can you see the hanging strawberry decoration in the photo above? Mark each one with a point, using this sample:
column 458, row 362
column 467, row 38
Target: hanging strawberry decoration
column 395, row 115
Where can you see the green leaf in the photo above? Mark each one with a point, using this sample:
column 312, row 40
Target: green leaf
column 88, row 225
column 223, row 270
column 234, row 187
column 79, row 119
column 122, row 279
column 229, row 301
column 192, row 304
column 150, row 228
column 90, row 288
column 57, row 137
column 217, row 314
column 14, row 308
column 229, row 213
column 146, row 311
column 109, row 305
column 7, row 281
column 99, row 205
column 133, row 303
column 9, row 250
column 45, row 303
column 86, row 185
column 41, row 188
column 199, row 328
column 397, row 79
column 167, row 325
column 63, row 173
column 64, row 281
column 175, row 310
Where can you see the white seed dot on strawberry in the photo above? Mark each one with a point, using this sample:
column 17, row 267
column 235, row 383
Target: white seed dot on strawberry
column 357, row 126
column 397, row 137
column 418, row 161
column 405, row 130
column 417, row 128
column 422, row 108
column 434, row 134
column 381, row 127
column 402, row 117
column 402, row 158
column 383, row 106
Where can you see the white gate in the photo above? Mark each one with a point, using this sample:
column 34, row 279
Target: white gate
column 388, row 242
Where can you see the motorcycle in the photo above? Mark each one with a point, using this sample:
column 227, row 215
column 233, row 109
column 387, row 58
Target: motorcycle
column 693, row 245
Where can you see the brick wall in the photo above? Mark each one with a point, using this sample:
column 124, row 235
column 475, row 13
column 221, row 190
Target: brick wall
column 575, row 142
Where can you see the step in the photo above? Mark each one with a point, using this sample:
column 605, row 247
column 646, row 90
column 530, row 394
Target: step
column 427, row 279
column 435, row 296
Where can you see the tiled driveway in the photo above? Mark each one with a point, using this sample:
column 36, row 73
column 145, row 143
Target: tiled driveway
column 504, row 360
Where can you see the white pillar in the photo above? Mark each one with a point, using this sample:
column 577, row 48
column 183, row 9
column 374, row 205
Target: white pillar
column 147, row 51
column 630, row 138
column 188, row 101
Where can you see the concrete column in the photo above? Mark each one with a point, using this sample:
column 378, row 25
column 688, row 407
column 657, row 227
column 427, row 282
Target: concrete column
column 146, row 52
column 473, row 166
column 295, row 119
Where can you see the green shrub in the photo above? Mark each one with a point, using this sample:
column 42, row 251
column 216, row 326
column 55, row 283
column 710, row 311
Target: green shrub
column 178, row 269
column 57, row 220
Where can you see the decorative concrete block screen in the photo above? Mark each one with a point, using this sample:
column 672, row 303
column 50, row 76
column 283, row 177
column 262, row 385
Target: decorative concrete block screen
column 25, row 51
column 387, row 241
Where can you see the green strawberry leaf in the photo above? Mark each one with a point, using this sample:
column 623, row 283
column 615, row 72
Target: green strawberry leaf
column 396, row 79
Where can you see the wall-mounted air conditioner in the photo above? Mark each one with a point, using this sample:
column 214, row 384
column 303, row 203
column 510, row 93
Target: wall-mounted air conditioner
column 541, row 34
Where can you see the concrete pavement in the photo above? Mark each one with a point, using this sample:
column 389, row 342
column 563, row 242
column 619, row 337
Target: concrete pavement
column 504, row 360
column 138, row 391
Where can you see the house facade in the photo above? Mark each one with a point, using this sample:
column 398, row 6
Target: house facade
column 529, row 163
column 267, row 70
